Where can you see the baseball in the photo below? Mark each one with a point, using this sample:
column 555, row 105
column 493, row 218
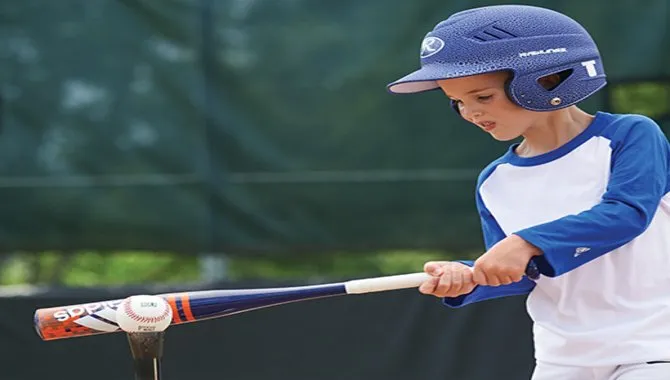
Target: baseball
column 143, row 313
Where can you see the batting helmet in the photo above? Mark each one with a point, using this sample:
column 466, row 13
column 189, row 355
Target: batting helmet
column 530, row 42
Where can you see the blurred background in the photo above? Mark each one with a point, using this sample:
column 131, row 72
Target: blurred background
column 167, row 145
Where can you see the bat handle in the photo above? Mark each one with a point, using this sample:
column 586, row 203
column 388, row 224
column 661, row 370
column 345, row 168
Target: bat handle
column 404, row 281
column 380, row 284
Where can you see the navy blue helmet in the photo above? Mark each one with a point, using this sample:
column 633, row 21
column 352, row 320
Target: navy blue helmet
column 529, row 42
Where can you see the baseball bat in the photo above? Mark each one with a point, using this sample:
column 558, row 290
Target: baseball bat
column 100, row 317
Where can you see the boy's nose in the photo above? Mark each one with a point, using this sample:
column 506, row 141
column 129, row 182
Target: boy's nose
column 472, row 114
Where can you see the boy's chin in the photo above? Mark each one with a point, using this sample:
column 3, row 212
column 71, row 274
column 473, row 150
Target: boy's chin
column 503, row 137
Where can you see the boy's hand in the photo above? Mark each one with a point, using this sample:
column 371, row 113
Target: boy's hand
column 450, row 279
column 505, row 262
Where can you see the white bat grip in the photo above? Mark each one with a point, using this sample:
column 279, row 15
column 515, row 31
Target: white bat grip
column 381, row 284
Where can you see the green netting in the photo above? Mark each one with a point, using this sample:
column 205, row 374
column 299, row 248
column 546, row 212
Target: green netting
column 261, row 125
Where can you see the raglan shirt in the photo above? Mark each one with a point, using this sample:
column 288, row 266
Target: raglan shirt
column 598, row 208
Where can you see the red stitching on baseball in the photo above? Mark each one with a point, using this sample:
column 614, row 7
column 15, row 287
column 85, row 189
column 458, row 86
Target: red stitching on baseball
column 138, row 318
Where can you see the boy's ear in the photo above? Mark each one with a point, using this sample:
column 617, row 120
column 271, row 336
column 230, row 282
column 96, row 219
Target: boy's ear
column 552, row 81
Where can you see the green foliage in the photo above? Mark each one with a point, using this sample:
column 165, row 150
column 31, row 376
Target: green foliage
column 95, row 268
column 109, row 269
column 647, row 98
column 337, row 265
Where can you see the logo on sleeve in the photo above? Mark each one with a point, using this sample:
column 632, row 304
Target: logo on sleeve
column 581, row 250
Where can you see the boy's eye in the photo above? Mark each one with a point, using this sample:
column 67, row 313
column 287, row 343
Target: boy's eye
column 483, row 98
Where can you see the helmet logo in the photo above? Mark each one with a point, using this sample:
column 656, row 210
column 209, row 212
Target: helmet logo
column 430, row 46
column 541, row 52
column 590, row 68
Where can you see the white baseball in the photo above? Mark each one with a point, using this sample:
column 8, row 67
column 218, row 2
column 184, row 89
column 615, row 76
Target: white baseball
column 143, row 313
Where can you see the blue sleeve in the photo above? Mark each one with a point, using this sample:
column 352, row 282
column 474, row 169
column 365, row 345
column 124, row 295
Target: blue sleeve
column 638, row 180
column 492, row 234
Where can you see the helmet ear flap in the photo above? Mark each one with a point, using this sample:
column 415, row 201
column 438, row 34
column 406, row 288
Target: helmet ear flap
column 507, row 86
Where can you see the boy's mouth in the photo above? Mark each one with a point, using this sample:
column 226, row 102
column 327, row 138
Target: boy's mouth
column 488, row 126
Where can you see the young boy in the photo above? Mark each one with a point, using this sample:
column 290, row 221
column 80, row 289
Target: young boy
column 584, row 197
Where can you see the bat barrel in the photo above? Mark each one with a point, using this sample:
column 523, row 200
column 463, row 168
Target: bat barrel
column 100, row 317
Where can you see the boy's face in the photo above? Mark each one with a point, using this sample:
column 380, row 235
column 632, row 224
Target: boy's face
column 482, row 101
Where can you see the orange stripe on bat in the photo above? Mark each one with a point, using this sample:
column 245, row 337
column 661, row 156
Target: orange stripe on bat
column 175, row 313
column 186, row 305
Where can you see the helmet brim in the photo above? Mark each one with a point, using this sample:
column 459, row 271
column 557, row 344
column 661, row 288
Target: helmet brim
column 424, row 79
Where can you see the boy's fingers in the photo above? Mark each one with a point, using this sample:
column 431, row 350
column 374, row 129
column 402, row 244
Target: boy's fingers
column 478, row 276
column 434, row 268
column 445, row 283
column 428, row 286
column 492, row 280
column 457, row 282
column 506, row 280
